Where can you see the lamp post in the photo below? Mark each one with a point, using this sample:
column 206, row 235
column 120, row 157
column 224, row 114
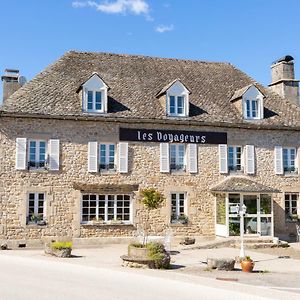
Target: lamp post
column 242, row 211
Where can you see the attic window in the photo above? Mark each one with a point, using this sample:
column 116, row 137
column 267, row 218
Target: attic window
column 175, row 98
column 249, row 100
column 94, row 95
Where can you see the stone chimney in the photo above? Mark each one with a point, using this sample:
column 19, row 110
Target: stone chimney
column 12, row 81
column 283, row 79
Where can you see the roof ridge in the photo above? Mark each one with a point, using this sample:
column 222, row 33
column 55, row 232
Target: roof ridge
column 146, row 56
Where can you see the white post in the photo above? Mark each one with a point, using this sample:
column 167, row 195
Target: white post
column 242, row 251
column 242, row 212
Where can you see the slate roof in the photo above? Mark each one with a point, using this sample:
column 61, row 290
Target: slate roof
column 237, row 184
column 165, row 88
column 135, row 81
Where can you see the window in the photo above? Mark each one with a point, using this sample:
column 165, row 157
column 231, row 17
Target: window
column 252, row 109
column 177, row 105
column 94, row 101
column 37, row 154
column 291, row 213
column 35, row 208
column 105, row 208
column 234, row 158
column 94, row 95
column 107, row 157
column 289, row 158
column 177, row 157
column 178, row 208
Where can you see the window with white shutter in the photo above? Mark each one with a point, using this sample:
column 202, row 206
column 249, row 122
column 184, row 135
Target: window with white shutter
column 192, row 158
column 164, row 158
column 21, row 160
column 223, row 164
column 278, row 160
column 93, row 157
column 250, row 159
column 123, row 157
column 53, row 154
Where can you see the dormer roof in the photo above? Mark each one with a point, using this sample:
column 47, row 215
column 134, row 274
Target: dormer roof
column 92, row 75
column 168, row 86
column 239, row 93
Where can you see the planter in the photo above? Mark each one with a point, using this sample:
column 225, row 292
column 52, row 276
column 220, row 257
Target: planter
column 58, row 252
column 247, row 265
column 138, row 252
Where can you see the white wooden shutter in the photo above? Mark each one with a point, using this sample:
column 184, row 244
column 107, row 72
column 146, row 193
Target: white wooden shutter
column 53, row 155
column 223, row 165
column 164, row 158
column 93, row 157
column 261, row 107
column 123, row 157
column 278, row 160
column 250, row 159
column 21, row 153
column 192, row 158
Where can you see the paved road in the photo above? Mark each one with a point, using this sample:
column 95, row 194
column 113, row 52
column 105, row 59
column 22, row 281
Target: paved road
column 25, row 278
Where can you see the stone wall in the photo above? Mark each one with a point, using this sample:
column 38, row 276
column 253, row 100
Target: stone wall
column 63, row 201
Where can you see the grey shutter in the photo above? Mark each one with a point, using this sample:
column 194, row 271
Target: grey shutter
column 21, row 153
column 53, row 155
column 192, row 158
column 250, row 159
column 164, row 158
column 123, row 157
column 278, row 160
column 93, row 157
column 223, row 165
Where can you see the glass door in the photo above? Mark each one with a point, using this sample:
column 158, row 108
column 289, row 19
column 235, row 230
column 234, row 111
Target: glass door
column 221, row 215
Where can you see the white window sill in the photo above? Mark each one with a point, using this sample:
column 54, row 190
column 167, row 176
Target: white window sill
column 105, row 224
column 96, row 113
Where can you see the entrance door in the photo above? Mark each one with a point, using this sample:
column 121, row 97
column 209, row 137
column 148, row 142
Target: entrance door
column 258, row 219
column 221, row 215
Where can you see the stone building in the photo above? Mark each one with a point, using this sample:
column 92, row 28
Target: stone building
column 81, row 139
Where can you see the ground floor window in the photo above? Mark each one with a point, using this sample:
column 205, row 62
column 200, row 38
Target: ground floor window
column 35, row 207
column 178, row 208
column 105, row 208
column 291, row 213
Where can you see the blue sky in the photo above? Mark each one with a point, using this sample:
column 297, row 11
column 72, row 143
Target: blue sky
column 247, row 33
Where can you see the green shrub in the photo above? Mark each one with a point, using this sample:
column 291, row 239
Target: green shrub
column 61, row 245
column 158, row 254
column 136, row 245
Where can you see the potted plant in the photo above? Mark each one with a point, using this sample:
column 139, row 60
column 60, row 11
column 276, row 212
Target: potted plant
column 247, row 264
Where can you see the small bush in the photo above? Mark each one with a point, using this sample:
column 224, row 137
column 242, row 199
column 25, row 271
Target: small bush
column 136, row 245
column 61, row 245
column 158, row 254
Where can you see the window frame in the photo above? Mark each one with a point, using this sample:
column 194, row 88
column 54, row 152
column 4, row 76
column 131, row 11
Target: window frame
column 235, row 158
column 106, row 207
column 289, row 160
column 253, row 94
column 177, row 157
column 86, row 97
column 35, row 207
column 107, row 157
column 290, row 216
column 178, row 214
column 176, row 106
column 37, row 154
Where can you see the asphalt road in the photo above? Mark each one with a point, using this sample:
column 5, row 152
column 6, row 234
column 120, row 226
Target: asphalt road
column 41, row 278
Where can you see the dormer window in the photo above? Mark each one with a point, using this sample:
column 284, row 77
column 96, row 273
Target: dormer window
column 94, row 101
column 94, row 95
column 175, row 99
column 177, row 107
column 249, row 100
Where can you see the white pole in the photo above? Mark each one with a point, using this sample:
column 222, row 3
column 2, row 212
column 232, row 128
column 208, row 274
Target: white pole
column 242, row 251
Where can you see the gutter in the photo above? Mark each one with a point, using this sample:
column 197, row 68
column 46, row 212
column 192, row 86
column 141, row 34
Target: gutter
column 129, row 120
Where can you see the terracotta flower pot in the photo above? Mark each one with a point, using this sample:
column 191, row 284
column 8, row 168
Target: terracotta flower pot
column 247, row 265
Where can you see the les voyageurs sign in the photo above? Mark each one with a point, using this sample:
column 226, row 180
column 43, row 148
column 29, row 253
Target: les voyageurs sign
column 172, row 136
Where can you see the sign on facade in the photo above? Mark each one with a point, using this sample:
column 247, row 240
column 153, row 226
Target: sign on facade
column 172, row 136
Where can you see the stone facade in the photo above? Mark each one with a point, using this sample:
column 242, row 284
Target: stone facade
column 63, row 201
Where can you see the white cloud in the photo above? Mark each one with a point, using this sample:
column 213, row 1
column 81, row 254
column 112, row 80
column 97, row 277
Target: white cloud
column 136, row 7
column 164, row 28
